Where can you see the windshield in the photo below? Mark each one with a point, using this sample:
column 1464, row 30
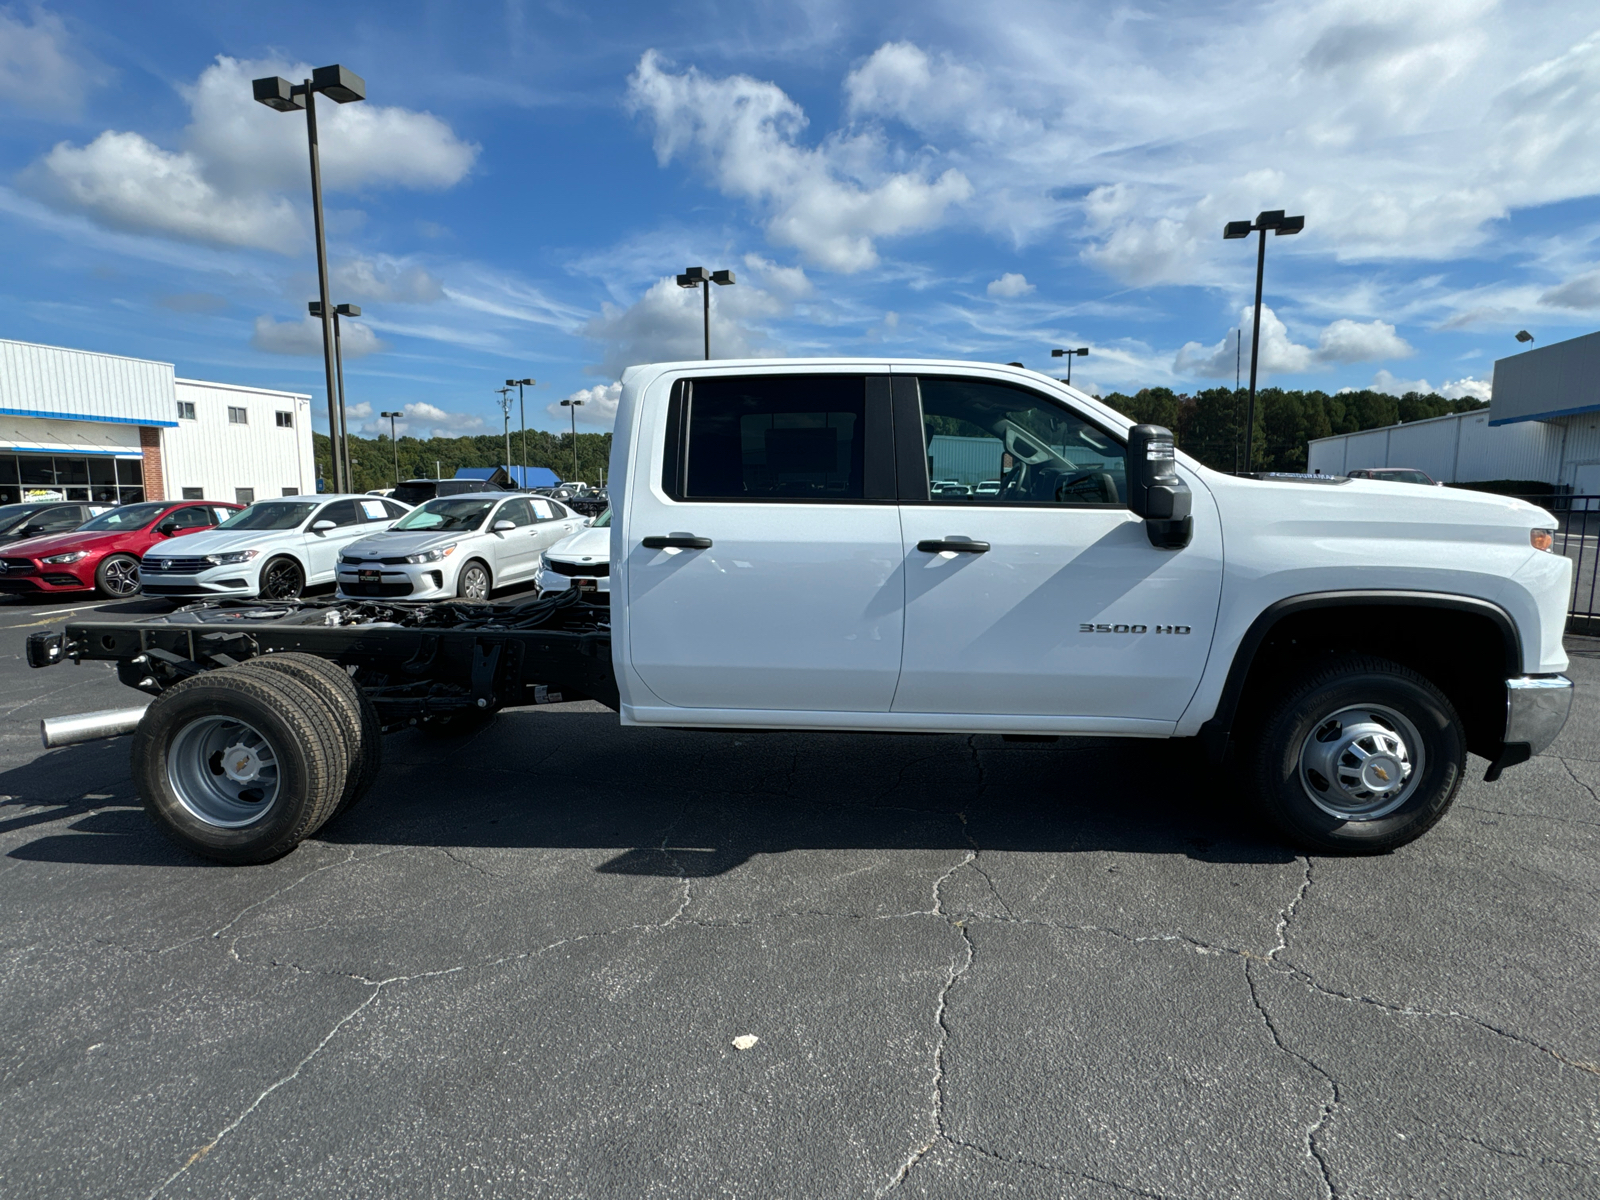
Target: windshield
column 120, row 520
column 450, row 515
column 270, row 514
column 1405, row 477
column 603, row 521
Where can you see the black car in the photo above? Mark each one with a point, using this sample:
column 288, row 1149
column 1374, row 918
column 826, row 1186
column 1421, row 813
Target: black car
column 19, row 521
column 420, row 491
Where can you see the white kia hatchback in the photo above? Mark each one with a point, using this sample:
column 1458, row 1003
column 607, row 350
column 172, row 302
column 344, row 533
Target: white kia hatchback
column 457, row 546
column 274, row 549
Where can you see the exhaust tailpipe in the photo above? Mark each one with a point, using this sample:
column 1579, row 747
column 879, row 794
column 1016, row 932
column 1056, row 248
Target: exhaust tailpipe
column 89, row 727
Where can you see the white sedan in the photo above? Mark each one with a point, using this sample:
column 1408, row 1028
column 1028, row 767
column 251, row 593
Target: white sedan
column 274, row 549
column 582, row 561
column 457, row 546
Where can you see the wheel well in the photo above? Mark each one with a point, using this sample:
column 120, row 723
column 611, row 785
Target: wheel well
column 1465, row 651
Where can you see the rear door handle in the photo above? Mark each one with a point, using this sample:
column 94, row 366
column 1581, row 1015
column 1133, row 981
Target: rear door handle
column 679, row 541
column 959, row 544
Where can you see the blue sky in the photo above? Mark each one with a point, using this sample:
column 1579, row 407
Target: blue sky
column 976, row 180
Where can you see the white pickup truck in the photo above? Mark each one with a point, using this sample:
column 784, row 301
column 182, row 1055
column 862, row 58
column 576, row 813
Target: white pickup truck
column 779, row 560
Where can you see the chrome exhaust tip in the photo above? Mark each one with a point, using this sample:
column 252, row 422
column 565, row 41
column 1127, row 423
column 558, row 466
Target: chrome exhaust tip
column 89, row 727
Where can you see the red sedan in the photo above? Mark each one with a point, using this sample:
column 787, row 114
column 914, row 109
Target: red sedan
column 103, row 555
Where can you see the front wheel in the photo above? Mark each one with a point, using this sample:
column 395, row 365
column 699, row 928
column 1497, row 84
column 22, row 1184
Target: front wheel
column 1358, row 757
column 282, row 579
column 118, row 576
column 473, row 583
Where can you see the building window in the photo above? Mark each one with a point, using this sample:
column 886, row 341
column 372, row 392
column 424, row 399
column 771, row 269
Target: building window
column 185, row 410
column 285, row 420
column 194, row 493
column 244, row 495
column 42, row 478
column 291, row 491
column 238, row 416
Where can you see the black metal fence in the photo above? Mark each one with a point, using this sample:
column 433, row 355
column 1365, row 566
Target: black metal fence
column 1578, row 537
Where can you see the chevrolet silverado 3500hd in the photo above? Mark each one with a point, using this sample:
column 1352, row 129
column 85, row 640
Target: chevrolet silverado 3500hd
column 780, row 561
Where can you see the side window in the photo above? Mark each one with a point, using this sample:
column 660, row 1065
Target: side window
column 340, row 512
column 222, row 514
column 516, row 511
column 988, row 443
column 59, row 520
column 775, row 437
column 190, row 518
column 395, row 511
column 543, row 510
column 373, row 510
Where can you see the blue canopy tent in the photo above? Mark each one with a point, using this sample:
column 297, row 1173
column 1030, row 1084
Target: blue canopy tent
column 516, row 477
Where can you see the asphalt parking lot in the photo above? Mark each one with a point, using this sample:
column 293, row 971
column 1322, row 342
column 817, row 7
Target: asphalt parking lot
column 525, row 966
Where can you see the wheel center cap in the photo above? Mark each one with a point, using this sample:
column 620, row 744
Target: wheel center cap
column 240, row 764
column 1382, row 773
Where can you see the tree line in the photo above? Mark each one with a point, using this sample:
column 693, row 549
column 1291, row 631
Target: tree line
column 372, row 459
column 1210, row 424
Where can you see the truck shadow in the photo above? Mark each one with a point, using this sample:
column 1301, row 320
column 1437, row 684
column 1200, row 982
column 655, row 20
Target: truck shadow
column 679, row 803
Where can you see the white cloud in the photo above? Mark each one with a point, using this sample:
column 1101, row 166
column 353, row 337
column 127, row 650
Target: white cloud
column 38, row 68
column 1457, row 389
column 1344, row 341
column 384, row 280
column 304, row 336
column 223, row 186
column 1010, row 285
column 421, row 420
column 831, row 202
column 599, row 406
column 790, row 282
column 666, row 324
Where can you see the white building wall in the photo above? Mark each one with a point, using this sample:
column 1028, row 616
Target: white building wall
column 1458, row 448
column 53, row 381
column 219, row 457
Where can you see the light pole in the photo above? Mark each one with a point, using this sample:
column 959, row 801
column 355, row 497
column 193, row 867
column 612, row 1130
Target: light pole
column 505, row 409
column 394, row 443
column 275, row 92
column 699, row 277
column 1069, row 355
column 519, row 384
column 339, row 310
column 1280, row 226
column 574, row 405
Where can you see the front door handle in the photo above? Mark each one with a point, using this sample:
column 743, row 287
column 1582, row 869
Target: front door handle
column 959, row 544
column 679, row 541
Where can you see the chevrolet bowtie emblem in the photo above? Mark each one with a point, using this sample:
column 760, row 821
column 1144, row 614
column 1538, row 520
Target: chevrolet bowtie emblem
column 1381, row 773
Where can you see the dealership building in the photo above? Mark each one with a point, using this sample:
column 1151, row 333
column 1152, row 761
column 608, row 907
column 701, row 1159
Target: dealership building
column 1543, row 424
column 79, row 425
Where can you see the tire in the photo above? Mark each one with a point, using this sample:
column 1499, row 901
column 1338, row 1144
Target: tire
column 474, row 574
column 117, row 577
column 1333, row 740
column 281, row 579
column 296, row 766
column 357, row 719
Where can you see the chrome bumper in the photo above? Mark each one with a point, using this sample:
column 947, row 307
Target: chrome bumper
column 1536, row 710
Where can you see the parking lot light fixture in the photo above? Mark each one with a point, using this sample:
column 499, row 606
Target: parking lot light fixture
column 1281, row 226
column 699, row 277
column 394, row 442
column 1524, row 336
column 519, row 384
column 341, row 86
column 574, row 405
column 1069, row 355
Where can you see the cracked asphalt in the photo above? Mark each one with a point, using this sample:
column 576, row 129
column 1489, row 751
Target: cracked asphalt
column 972, row 967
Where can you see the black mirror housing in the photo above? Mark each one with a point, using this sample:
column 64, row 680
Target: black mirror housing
column 1156, row 491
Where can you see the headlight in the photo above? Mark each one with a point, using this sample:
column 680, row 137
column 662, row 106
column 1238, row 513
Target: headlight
column 228, row 559
column 433, row 555
column 66, row 558
column 544, row 562
column 1541, row 539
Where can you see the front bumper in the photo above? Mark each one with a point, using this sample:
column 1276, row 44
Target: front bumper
column 46, row 577
column 409, row 581
column 1536, row 711
column 232, row 579
column 552, row 581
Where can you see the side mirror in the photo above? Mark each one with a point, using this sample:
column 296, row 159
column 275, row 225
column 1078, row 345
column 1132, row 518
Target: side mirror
column 167, row 528
column 1155, row 490
column 322, row 526
column 503, row 526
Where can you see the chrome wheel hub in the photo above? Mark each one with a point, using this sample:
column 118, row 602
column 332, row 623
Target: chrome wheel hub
column 1361, row 762
column 223, row 771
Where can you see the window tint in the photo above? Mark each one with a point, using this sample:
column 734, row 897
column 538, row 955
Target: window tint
column 516, row 511
column 776, row 438
column 189, row 518
column 59, row 520
column 340, row 512
column 222, row 514
column 992, row 444
column 373, row 511
column 270, row 514
column 543, row 510
column 395, row 510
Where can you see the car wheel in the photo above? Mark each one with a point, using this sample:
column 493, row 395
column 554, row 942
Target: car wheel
column 117, row 576
column 473, row 583
column 281, row 579
column 1359, row 757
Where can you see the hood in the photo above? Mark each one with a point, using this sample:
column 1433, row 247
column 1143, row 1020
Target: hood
column 588, row 543
column 217, row 541
column 61, row 543
column 397, row 545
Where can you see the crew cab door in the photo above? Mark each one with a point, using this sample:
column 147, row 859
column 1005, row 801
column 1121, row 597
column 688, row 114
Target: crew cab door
column 1057, row 604
column 762, row 545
